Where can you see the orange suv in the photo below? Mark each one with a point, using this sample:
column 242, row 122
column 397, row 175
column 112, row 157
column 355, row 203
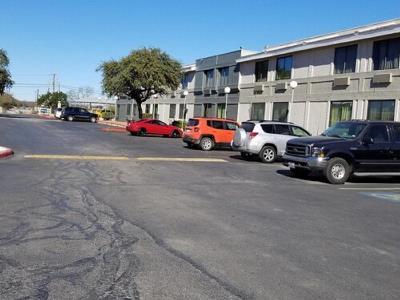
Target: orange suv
column 209, row 132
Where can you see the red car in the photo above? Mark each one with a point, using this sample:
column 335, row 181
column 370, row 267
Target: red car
column 153, row 127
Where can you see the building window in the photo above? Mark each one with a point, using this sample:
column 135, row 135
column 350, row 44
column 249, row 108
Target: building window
column 386, row 54
column 381, row 110
column 172, row 111
column 257, row 111
column 340, row 111
column 223, row 76
column 209, row 78
column 280, row 111
column 261, row 70
column 284, row 67
column 181, row 111
column 221, row 110
column 345, row 59
column 128, row 109
column 155, row 111
column 207, row 112
column 186, row 79
column 147, row 109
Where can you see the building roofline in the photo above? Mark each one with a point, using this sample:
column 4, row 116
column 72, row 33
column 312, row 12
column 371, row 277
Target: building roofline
column 343, row 36
column 189, row 67
column 229, row 52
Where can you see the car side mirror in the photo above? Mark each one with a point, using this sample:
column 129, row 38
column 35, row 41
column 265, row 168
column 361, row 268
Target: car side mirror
column 367, row 140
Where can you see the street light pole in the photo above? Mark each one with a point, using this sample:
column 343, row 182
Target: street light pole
column 185, row 93
column 154, row 106
column 227, row 90
column 293, row 85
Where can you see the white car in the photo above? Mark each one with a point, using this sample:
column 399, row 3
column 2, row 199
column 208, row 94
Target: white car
column 57, row 113
column 267, row 139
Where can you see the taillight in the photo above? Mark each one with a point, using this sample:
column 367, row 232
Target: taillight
column 196, row 129
column 253, row 134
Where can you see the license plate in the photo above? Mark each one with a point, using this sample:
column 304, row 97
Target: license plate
column 291, row 165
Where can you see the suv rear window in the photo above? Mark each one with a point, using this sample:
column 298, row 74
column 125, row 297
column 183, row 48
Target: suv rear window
column 193, row 122
column 216, row 124
column 247, row 126
column 268, row 128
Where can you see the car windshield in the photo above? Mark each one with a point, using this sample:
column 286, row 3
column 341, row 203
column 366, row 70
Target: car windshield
column 344, row 130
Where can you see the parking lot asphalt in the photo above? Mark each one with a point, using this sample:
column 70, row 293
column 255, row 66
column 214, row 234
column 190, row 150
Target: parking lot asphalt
column 161, row 221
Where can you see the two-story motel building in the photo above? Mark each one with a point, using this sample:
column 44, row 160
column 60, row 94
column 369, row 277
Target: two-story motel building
column 350, row 74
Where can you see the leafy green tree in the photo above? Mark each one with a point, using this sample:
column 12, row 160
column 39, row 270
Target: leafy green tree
column 5, row 76
column 139, row 75
column 51, row 99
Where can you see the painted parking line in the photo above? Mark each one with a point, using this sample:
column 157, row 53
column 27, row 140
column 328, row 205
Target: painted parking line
column 182, row 159
column 75, row 157
column 371, row 188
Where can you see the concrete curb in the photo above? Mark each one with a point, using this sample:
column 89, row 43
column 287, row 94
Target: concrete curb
column 111, row 123
column 5, row 152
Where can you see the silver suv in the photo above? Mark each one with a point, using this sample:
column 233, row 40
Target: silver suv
column 267, row 139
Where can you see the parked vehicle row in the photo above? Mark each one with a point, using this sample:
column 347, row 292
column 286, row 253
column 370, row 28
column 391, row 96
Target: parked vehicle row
column 347, row 147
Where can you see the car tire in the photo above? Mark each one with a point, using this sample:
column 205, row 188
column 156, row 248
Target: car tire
column 132, row 133
column 206, row 143
column 175, row 134
column 337, row 170
column 93, row 120
column 70, row 118
column 267, row 154
column 300, row 172
column 142, row 132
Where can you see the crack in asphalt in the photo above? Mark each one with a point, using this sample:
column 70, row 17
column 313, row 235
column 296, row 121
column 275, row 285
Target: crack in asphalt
column 73, row 214
column 103, row 264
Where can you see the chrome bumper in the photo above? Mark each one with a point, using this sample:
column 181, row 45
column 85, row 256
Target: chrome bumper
column 309, row 162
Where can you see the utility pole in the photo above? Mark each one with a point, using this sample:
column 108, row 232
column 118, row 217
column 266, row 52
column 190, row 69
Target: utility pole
column 37, row 95
column 54, row 83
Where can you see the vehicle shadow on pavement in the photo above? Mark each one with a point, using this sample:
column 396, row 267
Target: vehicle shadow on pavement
column 312, row 177
column 379, row 179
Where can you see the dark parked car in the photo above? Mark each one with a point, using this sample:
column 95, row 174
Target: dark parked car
column 345, row 148
column 79, row 114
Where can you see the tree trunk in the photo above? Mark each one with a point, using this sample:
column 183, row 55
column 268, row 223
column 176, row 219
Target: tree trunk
column 140, row 111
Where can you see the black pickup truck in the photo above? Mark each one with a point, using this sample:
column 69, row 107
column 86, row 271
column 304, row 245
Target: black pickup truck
column 345, row 148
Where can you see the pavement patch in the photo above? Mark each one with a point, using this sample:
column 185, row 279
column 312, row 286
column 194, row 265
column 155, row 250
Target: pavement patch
column 181, row 159
column 75, row 157
column 392, row 197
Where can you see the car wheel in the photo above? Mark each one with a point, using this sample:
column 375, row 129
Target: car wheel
column 142, row 132
column 206, row 143
column 175, row 134
column 70, row 118
column 300, row 172
column 93, row 119
column 245, row 155
column 337, row 171
column 267, row 154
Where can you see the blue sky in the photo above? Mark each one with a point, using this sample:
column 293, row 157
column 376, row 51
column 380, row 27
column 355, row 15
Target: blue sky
column 72, row 37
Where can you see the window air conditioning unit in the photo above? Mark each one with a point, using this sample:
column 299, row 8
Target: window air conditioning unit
column 283, row 86
column 341, row 81
column 173, row 94
column 207, row 92
column 258, row 88
column 382, row 78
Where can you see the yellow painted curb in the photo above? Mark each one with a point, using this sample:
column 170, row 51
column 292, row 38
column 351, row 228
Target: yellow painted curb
column 188, row 159
column 76, row 157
